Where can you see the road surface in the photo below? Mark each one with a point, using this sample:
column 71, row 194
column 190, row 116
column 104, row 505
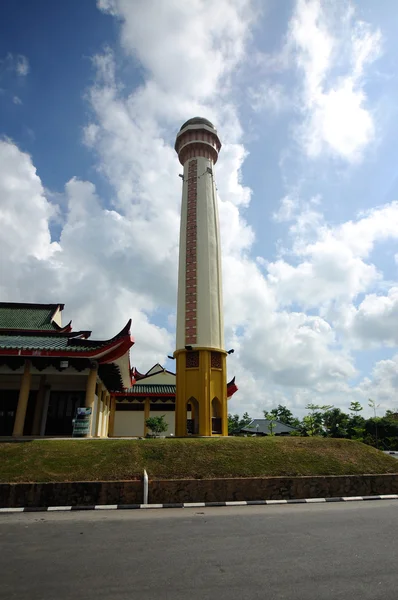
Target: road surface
column 311, row 552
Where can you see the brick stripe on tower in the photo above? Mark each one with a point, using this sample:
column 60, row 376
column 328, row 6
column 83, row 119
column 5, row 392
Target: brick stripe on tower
column 191, row 256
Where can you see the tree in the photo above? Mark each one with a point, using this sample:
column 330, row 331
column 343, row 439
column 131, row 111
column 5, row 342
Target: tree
column 375, row 406
column 356, row 423
column 157, row 425
column 391, row 415
column 355, row 408
column 271, row 421
column 336, row 423
column 283, row 415
column 313, row 424
column 236, row 424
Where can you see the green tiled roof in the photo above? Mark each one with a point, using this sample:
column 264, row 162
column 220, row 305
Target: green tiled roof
column 53, row 342
column 24, row 316
column 152, row 389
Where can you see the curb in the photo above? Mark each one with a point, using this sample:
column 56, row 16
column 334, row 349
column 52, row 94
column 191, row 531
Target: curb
column 195, row 504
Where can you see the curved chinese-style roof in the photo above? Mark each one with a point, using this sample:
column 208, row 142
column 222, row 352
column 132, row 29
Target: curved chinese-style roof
column 150, row 390
column 18, row 316
column 28, row 330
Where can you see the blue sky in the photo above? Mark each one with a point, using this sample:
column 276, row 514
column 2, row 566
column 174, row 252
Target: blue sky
column 304, row 96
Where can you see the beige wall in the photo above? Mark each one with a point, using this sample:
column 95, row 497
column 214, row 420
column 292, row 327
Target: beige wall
column 129, row 423
column 169, row 418
column 158, row 379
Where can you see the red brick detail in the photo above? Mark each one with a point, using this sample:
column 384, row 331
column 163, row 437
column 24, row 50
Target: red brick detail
column 190, row 265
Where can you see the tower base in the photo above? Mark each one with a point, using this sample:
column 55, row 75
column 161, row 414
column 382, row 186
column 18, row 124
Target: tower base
column 201, row 392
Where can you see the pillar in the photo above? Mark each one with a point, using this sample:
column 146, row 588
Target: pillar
column 22, row 401
column 112, row 417
column 39, row 406
column 90, row 393
column 98, row 410
column 147, row 414
column 203, row 394
column 106, row 415
column 46, row 402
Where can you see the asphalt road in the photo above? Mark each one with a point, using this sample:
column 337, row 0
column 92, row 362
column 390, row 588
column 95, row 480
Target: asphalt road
column 311, row 552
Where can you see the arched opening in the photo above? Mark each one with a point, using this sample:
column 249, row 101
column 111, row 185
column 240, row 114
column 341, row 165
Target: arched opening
column 193, row 416
column 216, row 416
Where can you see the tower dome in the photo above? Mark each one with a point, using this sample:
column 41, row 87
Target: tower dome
column 197, row 121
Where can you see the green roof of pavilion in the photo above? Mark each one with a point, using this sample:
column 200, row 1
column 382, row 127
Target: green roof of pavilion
column 151, row 389
column 28, row 316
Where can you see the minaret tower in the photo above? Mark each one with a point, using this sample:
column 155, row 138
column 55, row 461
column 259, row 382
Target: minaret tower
column 201, row 392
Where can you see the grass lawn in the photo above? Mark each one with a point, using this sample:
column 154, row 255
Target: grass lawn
column 94, row 460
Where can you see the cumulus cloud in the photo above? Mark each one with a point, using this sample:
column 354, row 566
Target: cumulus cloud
column 330, row 49
column 382, row 384
column 337, row 118
column 22, row 65
column 374, row 322
column 331, row 263
column 18, row 63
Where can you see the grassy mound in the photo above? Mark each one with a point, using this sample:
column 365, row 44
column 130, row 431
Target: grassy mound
column 94, row 460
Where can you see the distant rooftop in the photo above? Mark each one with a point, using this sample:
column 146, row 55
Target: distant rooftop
column 262, row 427
column 197, row 121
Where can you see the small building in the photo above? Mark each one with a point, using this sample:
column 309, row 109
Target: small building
column 263, row 427
column 47, row 371
column 152, row 394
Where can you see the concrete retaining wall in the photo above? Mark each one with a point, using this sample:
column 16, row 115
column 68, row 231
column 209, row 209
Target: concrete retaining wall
column 86, row 493
column 270, row 488
column 194, row 490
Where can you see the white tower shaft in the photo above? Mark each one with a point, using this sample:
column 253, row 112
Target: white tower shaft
column 200, row 304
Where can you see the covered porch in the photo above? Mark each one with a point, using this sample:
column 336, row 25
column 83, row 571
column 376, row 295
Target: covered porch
column 50, row 375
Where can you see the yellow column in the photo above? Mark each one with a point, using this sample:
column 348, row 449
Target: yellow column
column 204, row 394
column 112, row 417
column 90, row 393
column 97, row 415
column 22, row 401
column 101, row 412
column 224, row 400
column 181, row 395
column 147, row 413
column 39, row 406
column 106, row 415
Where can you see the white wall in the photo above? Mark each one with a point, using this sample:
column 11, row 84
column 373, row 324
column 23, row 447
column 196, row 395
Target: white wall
column 129, row 423
column 158, row 379
column 169, row 417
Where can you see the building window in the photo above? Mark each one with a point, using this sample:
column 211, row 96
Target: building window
column 216, row 360
column 192, row 360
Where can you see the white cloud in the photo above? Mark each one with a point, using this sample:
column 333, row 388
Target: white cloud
column 269, row 96
column 17, row 100
column 18, row 63
column 22, row 65
column 331, row 49
column 330, row 263
column 374, row 322
column 24, row 210
column 382, row 385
